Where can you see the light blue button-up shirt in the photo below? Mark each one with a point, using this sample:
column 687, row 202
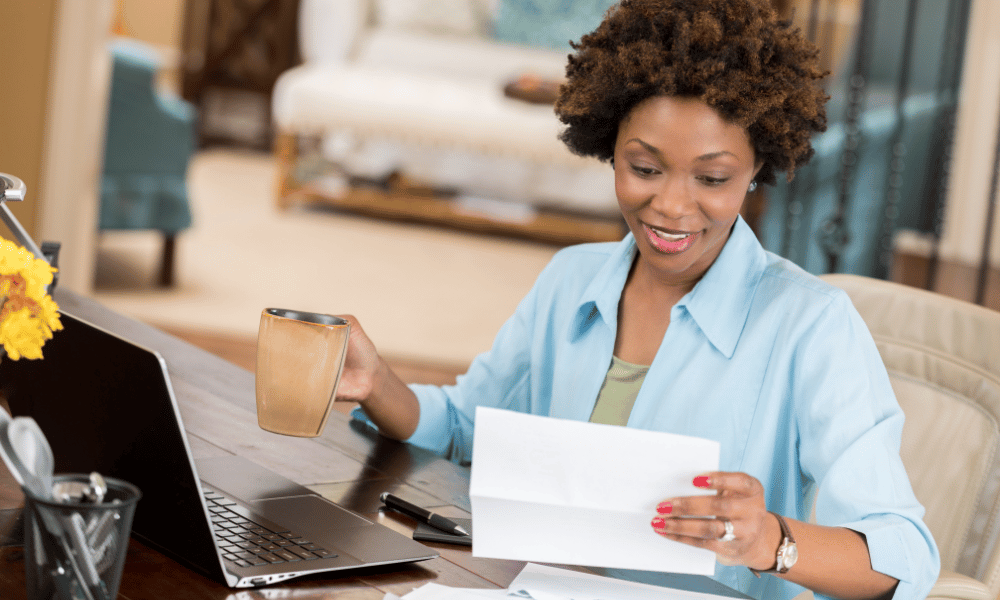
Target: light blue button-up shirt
column 771, row 362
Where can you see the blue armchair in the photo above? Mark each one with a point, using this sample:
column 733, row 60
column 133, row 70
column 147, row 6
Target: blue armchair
column 150, row 139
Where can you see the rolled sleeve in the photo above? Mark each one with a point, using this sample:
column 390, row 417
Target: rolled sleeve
column 436, row 430
column 899, row 548
column 887, row 546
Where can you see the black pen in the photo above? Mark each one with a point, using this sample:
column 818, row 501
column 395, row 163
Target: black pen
column 422, row 514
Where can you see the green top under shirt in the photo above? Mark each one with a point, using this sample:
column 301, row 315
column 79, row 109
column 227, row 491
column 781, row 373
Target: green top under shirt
column 618, row 393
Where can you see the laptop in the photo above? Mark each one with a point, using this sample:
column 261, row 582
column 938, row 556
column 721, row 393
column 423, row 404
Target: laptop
column 106, row 404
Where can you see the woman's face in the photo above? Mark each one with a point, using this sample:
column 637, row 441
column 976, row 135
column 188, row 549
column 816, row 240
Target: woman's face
column 681, row 175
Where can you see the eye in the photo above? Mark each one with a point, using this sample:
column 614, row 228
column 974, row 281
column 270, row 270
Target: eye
column 643, row 171
column 713, row 181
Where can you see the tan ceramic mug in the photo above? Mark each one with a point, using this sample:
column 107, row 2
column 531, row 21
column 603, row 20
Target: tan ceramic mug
column 299, row 359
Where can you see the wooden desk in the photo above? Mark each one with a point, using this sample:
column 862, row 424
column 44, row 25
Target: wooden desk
column 348, row 464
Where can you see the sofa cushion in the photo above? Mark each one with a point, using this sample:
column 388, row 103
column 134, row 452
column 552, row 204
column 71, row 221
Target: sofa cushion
column 456, row 117
column 548, row 23
column 329, row 29
column 459, row 58
column 438, row 110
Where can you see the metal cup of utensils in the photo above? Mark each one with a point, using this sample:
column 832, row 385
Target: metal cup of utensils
column 75, row 547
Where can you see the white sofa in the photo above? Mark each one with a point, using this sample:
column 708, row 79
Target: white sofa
column 415, row 87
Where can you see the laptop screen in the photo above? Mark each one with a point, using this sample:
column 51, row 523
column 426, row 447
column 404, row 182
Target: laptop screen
column 105, row 405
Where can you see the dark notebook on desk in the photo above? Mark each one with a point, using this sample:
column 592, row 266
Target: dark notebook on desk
column 429, row 533
column 107, row 404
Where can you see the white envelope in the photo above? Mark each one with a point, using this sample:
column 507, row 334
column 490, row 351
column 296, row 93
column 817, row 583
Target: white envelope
column 569, row 492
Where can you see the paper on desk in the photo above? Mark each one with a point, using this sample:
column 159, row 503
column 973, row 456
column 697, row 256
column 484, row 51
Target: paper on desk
column 540, row 582
column 569, row 492
column 434, row 591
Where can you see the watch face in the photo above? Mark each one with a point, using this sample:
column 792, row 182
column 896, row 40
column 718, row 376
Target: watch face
column 789, row 555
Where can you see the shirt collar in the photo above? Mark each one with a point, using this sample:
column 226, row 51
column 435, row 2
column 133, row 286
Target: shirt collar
column 719, row 303
column 601, row 297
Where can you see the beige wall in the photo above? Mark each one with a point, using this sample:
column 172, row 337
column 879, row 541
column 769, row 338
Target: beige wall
column 52, row 106
column 976, row 140
column 25, row 52
column 158, row 22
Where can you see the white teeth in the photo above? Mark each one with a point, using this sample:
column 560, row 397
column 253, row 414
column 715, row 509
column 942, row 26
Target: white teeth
column 670, row 237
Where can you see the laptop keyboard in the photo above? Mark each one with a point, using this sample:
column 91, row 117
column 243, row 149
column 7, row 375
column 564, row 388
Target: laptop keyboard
column 247, row 544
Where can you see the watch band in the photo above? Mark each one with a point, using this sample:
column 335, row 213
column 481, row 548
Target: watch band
column 787, row 541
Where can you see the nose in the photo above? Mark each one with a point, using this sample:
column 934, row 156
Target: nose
column 672, row 198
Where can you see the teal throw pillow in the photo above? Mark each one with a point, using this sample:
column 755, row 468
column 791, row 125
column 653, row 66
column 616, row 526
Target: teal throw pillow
column 547, row 23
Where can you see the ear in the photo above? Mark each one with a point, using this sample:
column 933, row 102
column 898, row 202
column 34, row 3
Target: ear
column 757, row 166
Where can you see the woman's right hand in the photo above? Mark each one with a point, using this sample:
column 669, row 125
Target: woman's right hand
column 368, row 380
column 361, row 365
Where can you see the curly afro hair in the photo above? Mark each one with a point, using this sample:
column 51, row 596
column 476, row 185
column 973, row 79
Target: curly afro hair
column 734, row 55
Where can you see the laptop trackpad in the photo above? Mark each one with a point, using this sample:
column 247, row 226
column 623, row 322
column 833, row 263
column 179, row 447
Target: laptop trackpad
column 308, row 516
column 245, row 480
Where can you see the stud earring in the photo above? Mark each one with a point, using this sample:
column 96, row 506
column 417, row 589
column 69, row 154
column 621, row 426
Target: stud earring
column 753, row 186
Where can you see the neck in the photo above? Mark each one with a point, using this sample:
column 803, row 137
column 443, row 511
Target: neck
column 659, row 287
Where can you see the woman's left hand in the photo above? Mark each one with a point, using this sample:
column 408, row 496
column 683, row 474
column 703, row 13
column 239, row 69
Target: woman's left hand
column 739, row 499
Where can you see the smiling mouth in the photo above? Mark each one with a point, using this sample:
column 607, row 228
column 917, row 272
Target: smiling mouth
column 670, row 243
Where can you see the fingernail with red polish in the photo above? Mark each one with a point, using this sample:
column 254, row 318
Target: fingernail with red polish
column 664, row 508
column 702, row 481
column 658, row 523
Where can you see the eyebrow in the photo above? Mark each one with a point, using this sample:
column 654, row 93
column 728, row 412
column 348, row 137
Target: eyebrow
column 703, row 157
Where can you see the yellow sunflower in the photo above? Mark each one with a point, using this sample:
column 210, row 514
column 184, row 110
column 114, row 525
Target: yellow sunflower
column 28, row 315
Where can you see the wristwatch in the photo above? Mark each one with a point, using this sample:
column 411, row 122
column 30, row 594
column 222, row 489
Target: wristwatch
column 788, row 552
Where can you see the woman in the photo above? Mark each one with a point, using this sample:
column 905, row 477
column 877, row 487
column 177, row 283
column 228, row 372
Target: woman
column 689, row 326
